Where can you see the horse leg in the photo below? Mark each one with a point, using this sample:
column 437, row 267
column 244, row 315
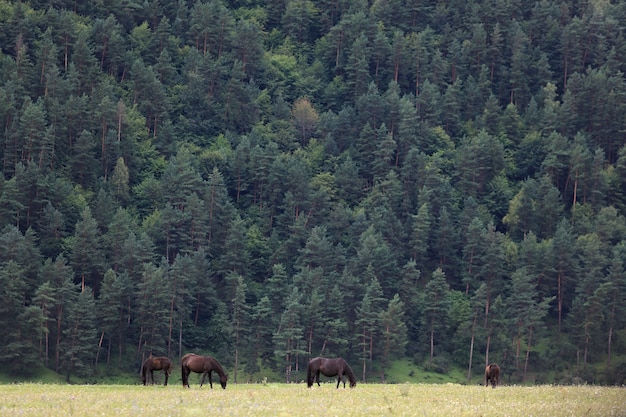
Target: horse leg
column 185, row 375
column 166, row 377
column 202, row 380
column 317, row 378
column 211, row 379
column 339, row 380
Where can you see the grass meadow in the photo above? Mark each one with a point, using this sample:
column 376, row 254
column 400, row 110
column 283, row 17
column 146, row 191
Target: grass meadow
column 31, row 399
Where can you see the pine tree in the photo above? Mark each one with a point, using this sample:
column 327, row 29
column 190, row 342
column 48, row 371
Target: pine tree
column 393, row 332
column 112, row 313
column 240, row 319
column 80, row 342
column 288, row 338
column 154, row 298
column 367, row 322
column 86, row 257
column 435, row 309
column 54, row 297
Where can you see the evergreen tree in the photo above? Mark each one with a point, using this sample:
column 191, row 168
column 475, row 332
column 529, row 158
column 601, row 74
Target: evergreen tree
column 81, row 335
column 367, row 323
column 435, row 309
column 612, row 291
column 54, row 297
column 154, row 298
column 240, row 318
column 111, row 308
column 288, row 338
column 527, row 313
column 86, row 257
column 13, row 284
column 410, row 296
column 565, row 268
column 394, row 332
column 263, row 323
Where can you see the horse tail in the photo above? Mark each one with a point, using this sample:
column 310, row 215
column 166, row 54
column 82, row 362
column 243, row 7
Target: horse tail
column 143, row 373
column 309, row 376
column 183, row 371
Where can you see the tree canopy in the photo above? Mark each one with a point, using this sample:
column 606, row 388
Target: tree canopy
column 272, row 181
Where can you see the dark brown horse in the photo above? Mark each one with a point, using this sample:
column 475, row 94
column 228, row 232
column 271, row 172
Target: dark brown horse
column 329, row 367
column 152, row 364
column 202, row 365
column 492, row 373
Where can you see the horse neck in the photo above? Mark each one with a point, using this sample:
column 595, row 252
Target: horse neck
column 348, row 372
column 218, row 368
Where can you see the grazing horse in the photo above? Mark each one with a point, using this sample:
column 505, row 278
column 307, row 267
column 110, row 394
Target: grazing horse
column 152, row 364
column 492, row 372
column 201, row 365
column 329, row 367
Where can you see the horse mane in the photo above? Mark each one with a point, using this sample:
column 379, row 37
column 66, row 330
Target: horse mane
column 349, row 373
column 218, row 367
column 169, row 367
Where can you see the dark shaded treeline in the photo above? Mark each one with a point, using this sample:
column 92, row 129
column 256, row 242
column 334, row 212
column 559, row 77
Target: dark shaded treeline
column 273, row 181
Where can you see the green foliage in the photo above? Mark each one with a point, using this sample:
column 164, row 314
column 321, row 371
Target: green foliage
column 297, row 164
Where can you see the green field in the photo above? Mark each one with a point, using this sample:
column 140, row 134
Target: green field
column 297, row 400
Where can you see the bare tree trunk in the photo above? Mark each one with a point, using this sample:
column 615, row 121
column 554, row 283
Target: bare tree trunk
column 180, row 337
column 99, row 347
column 585, row 351
column 364, row 353
column 57, row 358
column 574, row 197
column 47, row 341
column 432, row 344
column 608, row 358
column 559, row 296
column 530, row 335
column 236, row 360
column 171, row 323
column 471, row 355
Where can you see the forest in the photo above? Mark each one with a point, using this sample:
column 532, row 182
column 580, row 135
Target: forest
column 267, row 181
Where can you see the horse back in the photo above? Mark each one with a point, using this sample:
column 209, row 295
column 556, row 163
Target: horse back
column 492, row 373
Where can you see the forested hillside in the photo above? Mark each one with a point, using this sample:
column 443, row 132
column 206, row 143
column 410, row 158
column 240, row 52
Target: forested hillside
column 268, row 181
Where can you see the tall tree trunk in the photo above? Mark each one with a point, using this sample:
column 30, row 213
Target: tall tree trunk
column 528, row 345
column 608, row 356
column 471, row 354
column 99, row 347
column 432, row 344
column 559, row 295
column 57, row 354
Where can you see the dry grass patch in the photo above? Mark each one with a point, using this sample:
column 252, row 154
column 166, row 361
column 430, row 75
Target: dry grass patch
column 297, row 400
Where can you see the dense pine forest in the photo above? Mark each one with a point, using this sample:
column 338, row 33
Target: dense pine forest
column 270, row 180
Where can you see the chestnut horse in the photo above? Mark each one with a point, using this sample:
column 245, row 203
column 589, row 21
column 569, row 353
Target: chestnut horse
column 492, row 373
column 201, row 365
column 152, row 364
column 329, row 367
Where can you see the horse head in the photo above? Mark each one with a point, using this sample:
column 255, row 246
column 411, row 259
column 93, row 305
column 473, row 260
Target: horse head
column 223, row 380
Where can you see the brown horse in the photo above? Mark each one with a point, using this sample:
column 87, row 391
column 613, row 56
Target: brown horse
column 492, row 373
column 329, row 367
column 202, row 365
column 152, row 364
